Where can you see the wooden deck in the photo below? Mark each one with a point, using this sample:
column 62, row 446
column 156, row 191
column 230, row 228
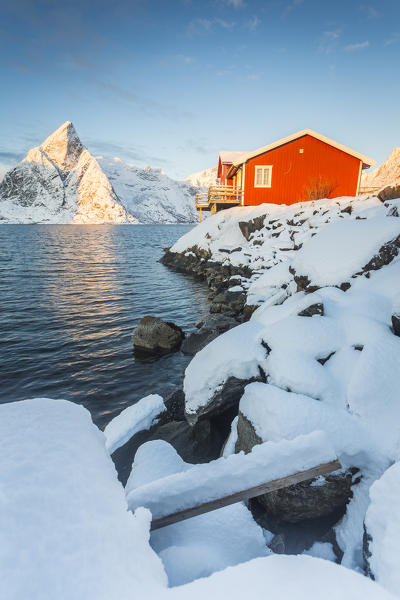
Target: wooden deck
column 218, row 195
column 246, row 494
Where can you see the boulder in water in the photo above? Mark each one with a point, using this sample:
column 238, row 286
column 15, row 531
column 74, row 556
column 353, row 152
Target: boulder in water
column 155, row 336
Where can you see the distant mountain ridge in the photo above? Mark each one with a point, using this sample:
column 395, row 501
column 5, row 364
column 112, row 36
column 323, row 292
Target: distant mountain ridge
column 387, row 173
column 60, row 181
column 203, row 178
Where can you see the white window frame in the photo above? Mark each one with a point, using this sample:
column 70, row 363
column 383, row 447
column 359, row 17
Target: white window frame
column 256, row 168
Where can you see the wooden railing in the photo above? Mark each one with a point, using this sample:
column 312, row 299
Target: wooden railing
column 218, row 194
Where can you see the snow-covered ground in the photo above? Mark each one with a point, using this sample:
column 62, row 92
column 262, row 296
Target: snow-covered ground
column 335, row 370
column 66, row 531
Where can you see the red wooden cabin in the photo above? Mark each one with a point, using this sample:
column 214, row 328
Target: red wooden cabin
column 303, row 166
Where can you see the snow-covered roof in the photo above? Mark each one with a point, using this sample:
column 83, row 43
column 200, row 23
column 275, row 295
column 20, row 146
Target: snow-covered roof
column 246, row 156
column 228, row 156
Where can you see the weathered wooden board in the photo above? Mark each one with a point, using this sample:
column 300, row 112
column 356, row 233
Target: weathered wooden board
column 244, row 495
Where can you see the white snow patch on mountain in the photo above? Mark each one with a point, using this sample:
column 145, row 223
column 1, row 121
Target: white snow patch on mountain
column 203, row 178
column 149, row 195
column 388, row 172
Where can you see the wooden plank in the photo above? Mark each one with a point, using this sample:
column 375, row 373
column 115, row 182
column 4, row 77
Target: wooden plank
column 245, row 495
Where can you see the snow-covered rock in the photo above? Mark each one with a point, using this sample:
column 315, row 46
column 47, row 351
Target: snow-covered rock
column 61, row 182
column 138, row 417
column 345, row 248
column 65, row 531
column 281, row 578
column 202, row 545
column 225, row 476
column 382, row 523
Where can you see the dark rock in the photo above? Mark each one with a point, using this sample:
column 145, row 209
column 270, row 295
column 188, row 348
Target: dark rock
column 175, row 405
column 390, row 192
column 396, row 324
column 248, row 311
column 322, row 361
column 367, row 538
column 300, row 536
column 393, row 212
column 211, row 329
column 303, row 282
column 304, row 500
column 307, row 501
column 197, row 444
column 197, row 341
column 225, row 399
column 385, row 255
column 249, row 227
column 348, row 209
column 154, row 336
column 277, row 544
column 247, row 438
column 313, row 309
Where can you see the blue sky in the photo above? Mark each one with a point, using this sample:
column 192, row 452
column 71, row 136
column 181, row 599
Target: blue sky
column 171, row 83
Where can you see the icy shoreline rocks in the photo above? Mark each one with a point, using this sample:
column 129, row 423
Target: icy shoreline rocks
column 321, row 289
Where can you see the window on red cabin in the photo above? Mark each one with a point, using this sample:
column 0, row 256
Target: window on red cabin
column 263, row 176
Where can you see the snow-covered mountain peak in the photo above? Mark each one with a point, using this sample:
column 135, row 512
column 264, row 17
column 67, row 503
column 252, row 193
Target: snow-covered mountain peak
column 63, row 148
column 387, row 173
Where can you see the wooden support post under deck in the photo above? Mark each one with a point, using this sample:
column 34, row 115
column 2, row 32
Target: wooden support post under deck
column 200, row 212
column 244, row 495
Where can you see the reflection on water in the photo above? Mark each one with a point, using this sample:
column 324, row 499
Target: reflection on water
column 70, row 297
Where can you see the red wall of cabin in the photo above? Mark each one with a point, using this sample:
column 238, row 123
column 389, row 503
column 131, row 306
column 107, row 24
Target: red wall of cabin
column 222, row 173
column 292, row 172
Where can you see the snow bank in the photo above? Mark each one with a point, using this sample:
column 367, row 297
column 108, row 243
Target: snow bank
column 137, row 417
column 277, row 414
column 201, row 545
column 382, row 523
column 339, row 251
column 236, row 353
column 206, row 482
column 284, row 577
column 65, row 531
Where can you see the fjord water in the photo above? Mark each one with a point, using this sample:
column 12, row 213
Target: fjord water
column 70, row 297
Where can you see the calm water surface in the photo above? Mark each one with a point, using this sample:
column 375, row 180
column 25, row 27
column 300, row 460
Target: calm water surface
column 70, row 296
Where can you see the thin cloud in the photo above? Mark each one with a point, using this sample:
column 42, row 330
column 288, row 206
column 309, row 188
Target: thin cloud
column 254, row 76
column 329, row 41
column 253, row 23
column 234, row 3
column 200, row 25
column 291, row 7
column 188, row 60
column 370, row 11
column 355, row 47
column 394, row 39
